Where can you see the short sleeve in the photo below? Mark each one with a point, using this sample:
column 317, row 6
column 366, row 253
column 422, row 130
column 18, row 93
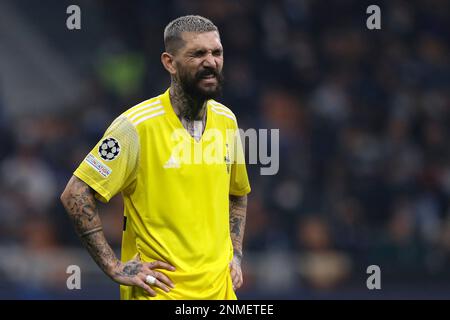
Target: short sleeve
column 239, row 183
column 111, row 165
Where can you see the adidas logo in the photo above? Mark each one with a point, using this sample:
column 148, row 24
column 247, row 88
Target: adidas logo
column 171, row 163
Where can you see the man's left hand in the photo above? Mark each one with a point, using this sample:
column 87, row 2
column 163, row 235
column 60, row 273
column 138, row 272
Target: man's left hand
column 236, row 272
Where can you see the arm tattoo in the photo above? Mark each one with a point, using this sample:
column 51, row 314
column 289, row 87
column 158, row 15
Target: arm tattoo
column 84, row 234
column 79, row 202
column 238, row 212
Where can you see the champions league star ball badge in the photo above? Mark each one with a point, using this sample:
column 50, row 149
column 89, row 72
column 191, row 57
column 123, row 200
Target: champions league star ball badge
column 109, row 149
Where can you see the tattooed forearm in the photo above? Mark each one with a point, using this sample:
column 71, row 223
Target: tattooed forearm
column 100, row 251
column 238, row 211
column 79, row 202
column 89, row 232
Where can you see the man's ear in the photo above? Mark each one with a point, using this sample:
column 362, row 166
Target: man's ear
column 168, row 62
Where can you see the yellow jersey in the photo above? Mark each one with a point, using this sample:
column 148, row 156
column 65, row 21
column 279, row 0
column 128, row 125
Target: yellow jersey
column 176, row 193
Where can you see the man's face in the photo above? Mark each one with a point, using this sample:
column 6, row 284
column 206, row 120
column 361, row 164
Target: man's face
column 199, row 64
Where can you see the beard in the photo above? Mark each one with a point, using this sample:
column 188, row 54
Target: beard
column 192, row 88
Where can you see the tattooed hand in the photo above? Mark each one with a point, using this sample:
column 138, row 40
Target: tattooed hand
column 238, row 212
column 236, row 271
column 79, row 200
column 134, row 273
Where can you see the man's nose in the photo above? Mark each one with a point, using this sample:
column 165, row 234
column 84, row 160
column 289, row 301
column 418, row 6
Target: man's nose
column 210, row 61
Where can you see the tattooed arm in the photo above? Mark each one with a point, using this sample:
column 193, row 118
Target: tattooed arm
column 238, row 212
column 80, row 204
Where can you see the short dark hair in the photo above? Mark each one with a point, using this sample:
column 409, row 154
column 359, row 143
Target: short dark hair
column 191, row 23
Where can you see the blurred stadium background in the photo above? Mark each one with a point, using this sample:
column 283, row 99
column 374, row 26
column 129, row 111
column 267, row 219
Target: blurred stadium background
column 364, row 127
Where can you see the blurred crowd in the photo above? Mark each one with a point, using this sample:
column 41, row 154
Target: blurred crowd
column 364, row 137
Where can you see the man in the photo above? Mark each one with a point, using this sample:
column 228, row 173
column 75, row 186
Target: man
column 184, row 218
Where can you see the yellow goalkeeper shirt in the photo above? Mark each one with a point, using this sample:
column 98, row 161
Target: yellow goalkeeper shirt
column 176, row 193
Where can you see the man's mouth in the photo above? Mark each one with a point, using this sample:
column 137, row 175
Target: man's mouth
column 207, row 74
column 209, row 78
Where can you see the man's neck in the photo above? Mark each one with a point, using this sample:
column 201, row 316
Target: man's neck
column 185, row 106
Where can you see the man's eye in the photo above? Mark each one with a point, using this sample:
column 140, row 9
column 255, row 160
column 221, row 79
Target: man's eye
column 217, row 53
column 199, row 53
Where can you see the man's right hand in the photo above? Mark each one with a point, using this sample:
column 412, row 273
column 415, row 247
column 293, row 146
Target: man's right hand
column 135, row 272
